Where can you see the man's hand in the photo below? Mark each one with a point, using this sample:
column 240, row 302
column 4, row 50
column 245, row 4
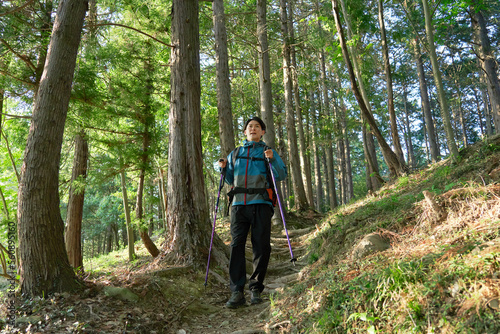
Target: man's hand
column 269, row 154
column 222, row 163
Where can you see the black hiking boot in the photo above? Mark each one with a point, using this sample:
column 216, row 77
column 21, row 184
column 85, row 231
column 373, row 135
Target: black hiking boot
column 237, row 299
column 256, row 298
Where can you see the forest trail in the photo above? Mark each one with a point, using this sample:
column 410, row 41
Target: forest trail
column 215, row 318
column 142, row 298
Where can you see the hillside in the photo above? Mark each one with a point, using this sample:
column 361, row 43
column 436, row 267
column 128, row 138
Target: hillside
column 441, row 273
column 437, row 271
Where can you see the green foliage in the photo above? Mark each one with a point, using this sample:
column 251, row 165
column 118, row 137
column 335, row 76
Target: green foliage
column 437, row 280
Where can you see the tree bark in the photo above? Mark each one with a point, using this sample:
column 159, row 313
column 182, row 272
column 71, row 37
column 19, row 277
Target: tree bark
column 443, row 102
column 304, row 160
column 488, row 61
column 331, row 191
column 225, row 114
column 343, row 145
column 163, row 197
column 396, row 167
column 46, row 21
column 316, row 154
column 298, row 184
column 409, row 145
column 75, row 202
column 388, row 79
column 265, row 85
column 330, row 171
column 348, row 187
column 147, row 119
column 426, row 106
column 188, row 217
column 373, row 179
column 348, row 165
column 128, row 222
column 44, row 264
column 143, row 229
column 484, row 94
column 460, row 113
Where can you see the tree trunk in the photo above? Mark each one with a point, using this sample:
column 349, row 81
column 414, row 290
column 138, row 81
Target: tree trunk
column 373, row 179
column 388, row 79
column 343, row 145
column 348, row 186
column 139, row 216
column 332, row 193
column 109, row 239
column 163, row 197
column 98, row 244
column 298, row 184
column 225, row 114
column 265, row 87
column 395, row 166
column 128, row 222
column 341, row 166
column 426, row 106
column 445, row 110
column 44, row 265
column 188, row 216
column 265, row 84
column 75, row 202
column 281, row 149
column 326, row 176
column 147, row 119
column 46, row 20
column 409, row 145
column 348, row 165
column 316, row 154
column 304, row 161
column 488, row 61
column 487, row 113
column 460, row 112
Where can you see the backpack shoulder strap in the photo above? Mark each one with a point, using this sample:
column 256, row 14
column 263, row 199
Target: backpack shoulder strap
column 235, row 153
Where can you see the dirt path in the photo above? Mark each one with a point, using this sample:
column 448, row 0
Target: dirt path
column 214, row 318
column 171, row 300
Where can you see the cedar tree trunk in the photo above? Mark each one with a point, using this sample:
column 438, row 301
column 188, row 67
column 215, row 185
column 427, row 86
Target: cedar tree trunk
column 44, row 262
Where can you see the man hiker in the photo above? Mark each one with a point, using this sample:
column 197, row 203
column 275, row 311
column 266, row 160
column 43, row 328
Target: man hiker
column 252, row 208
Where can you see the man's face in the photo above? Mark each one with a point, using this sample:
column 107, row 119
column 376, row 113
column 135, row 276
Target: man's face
column 254, row 131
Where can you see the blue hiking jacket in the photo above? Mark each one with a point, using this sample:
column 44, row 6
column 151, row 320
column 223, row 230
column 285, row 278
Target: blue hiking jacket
column 244, row 172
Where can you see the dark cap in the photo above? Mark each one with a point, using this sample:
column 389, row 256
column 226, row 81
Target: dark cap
column 255, row 118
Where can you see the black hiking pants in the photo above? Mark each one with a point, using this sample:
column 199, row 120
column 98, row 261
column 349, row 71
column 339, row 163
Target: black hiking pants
column 257, row 219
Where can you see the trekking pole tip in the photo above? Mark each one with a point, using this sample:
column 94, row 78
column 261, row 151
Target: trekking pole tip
column 293, row 260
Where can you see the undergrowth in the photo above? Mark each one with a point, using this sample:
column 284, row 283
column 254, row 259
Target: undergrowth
column 439, row 276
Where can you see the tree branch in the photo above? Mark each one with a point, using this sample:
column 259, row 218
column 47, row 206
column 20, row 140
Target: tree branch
column 17, row 8
column 16, row 116
column 112, row 131
column 22, row 57
column 127, row 27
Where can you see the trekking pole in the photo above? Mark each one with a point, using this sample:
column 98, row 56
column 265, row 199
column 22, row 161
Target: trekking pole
column 293, row 260
column 221, row 184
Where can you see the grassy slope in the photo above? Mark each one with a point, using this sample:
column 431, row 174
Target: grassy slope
column 437, row 277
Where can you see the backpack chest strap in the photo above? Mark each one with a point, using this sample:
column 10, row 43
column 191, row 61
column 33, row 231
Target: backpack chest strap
column 241, row 190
